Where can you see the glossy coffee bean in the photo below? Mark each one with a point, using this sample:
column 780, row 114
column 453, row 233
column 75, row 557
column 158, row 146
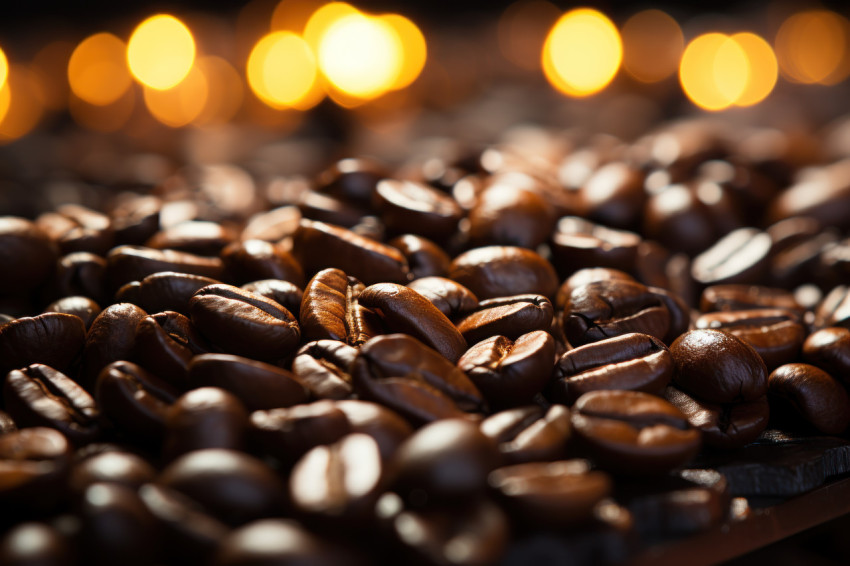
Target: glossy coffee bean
column 39, row 395
column 135, row 218
column 7, row 424
column 500, row 271
column 530, row 433
column 35, row 544
column 244, row 323
column 285, row 293
column 725, row 426
column 111, row 338
column 27, row 251
column 506, row 316
column 829, row 349
column 193, row 236
column 385, row 426
column 506, row 215
column 207, row 417
column 81, row 273
column 614, row 195
column 53, row 339
column 320, row 207
column 425, row 258
column 680, row 313
column 739, row 257
column 633, row 433
column 635, row 362
column 134, row 263
column 352, row 179
column 251, row 260
column 77, row 228
column 116, row 527
column 818, row 398
column 163, row 291
column 510, row 372
column 834, row 309
column 34, row 465
column 272, row 225
column 450, row 297
column 331, row 310
column 181, row 330
column 156, row 351
column 124, row 468
column 718, row 367
column 408, row 206
column 583, row 277
column 82, row 307
column 744, row 297
column 324, row 368
column 578, row 244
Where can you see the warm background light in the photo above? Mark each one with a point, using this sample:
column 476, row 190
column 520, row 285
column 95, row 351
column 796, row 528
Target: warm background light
column 97, row 70
column 322, row 19
column 522, row 31
column 812, row 47
column 582, row 52
column 161, row 52
column 293, row 15
column 180, row 105
column 4, row 68
column 106, row 119
column 414, row 50
column 714, row 71
column 22, row 99
column 282, row 72
column 763, row 68
column 652, row 46
column 225, row 91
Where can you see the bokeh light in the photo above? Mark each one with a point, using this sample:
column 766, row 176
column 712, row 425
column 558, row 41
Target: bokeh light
column 763, row 68
column 225, row 91
column 282, row 72
column 4, row 68
column 180, row 105
column 161, row 52
column 714, row 71
column 522, row 30
column 109, row 118
column 51, row 65
column 414, row 50
column 97, row 70
column 811, row 47
column 322, row 19
column 293, row 15
column 652, row 46
column 582, row 52
column 25, row 106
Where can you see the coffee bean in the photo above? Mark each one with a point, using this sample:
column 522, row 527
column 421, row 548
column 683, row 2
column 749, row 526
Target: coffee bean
column 194, row 237
column 273, row 225
column 739, row 257
column 123, row 468
column 614, row 195
column 408, row 206
column 385, row 426
column 250, row 260
column 578, row 243
column 116, row 526
column 35, row 544
column 34, row 465
column 529, row 433
column 501, row 271
column 52, row 339
column 352, row 179
column 510, row 216
column 506, row 316
column 134, row 263
column 829, row 349
column 207, row 417
column 746, row 297
column 77, row 228
column 135, row 218
column 82, row 273
column 181, row 330
column 816, row 396
column 451, row 298
column 164, row 291
column 331, row 310
column 425, row 258
column 834, row 309
column 324, row 367
column 285, row 293
column 83, row 307
column 320, row 207
column 156, row 351
column 583, row 277
column 724, row 426
column 111, row 338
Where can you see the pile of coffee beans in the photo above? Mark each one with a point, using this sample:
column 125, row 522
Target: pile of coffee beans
column 452, row 361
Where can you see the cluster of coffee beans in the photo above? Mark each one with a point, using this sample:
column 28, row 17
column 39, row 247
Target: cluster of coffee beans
column 433, row 364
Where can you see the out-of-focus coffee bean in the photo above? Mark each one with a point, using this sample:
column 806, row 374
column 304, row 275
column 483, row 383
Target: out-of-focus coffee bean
column 424, row 257
column 251, row 260
column 834, row 309
column 52, row 339
column 193, row 236
column 578, row 243
column 331, row 210
column 111, row 338
column 273, row 225
column 510, row 216
column 7, row 424
column 829, row 349
column 726, row 426
column 739, row 257
column 116, row 526
column 824, row 196
column 614, row 195
column 500, row 271
column 408, row 206
column 207, row 417
column 163, row 291
column 450, row 297
column 331, row 310
column 134, row 263
column 530, row 434
column 135, row 219
column 82, row 273
column 77, row 228
column 820, row 399
column 34, row 464
column 745, row 297
column 83, row 307
column 123, row 468
column 385, row 426
column 27, row 252
column 352, row 179
column 35, row 544
column 324, row 367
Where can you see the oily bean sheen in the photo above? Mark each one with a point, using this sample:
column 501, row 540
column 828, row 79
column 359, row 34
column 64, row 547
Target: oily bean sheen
column 287, row 294
column 324, row 368
column 111, row 338
column 680, row 313
column 181, row 330
column 408, row 206
column 207, row 417
column 511, row 216
column 82, row 307
column 507, row 372
column 529, row 433
column 722, row 426
column 123, row 468
column 159, row 353
column 404, row 310
column 501, row 271
column 834, row 309
column 829, row 349
column 258, row 385
column 739, row 257
column 583, row 277
column 507, row 316
column 577, row 244
column 635, row 362
column 773, row 333
column 164, row 291
column 33, row 469
column 450, row 297
column 604, row 309
column 745, row 297
column 634, row 433
column 134, row 263
column 718, row 367
column 251, row 260
column 38, row 395
column 425, row 258
column 331, row 310
column 385, row 426
column 193, row 236
column 53, row 339
column 244, row 323
column 819, row 398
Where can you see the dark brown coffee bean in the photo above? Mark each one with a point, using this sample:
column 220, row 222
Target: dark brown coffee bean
column 324, row 367
column 408, row 206
column 116, row 527
column 605, row 309
column 135, row 218
column 7, row 424
column 634, row 362
column 577, row 243
column 680, row 313
column 331, row 310
column 83, row 307
column 38, row 395
column 746, row 297
column 111, row 338
column 557, row 495
column 256, row 384
column 501, row 271
column 634, row 433
column 123, row 468
column 823, row 195
column 35, row 544
column 329, row 209
column 34, row 465
column 425, row 258
column 181, row 330
column 244, row 323
column 156, row 351
column 207, row 417
column 739, row 257
column 718, row 367
column 251, row 260
column 614, row 195
column 385, row 426
column 404, row 310
column 285, row 293
column 194, row 237
column 583, row 277
column 817, row 397
column 506, row 316
column 53, row 339
column 510, row 216
column 774, row 334
column 27, row 252
column 319, row 246
column 352, row 179
column 273, row 225
column 135, row 401
column 134, row 263
column 510, row 373
column 530, row 434
column 82, row 273
column 829, row 349
column 163, row 291
column 451, row 298
column 722, row 426
column 76, row 228
column 232, row 486
column 801, row 262
column 834, row 309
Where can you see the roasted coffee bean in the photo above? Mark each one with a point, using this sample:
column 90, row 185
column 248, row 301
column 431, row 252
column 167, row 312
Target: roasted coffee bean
column 834, row 309
column 124, row 468
column 163, row 291
column 501, row 271
column 134, row 263
column 443, row 463
column 256, row 384
column 510, row 372
column 244, row 323
column 320, row 246
column 273, row 225
column 404, row 310
column 135, row 401
column 739, row 257
column 194, row 237
column 386, row 427
column 331, row 310
column 451, row 298
column 578, row 243
column 285, row 293
column 800, row 262
column 530, row 434
column 718, row 367
column 817, row 397
column 207, row 417
column 680, row 313
column 324, row 367
column 746, row 297
column 156, row 351
column 419, row 383
column 251, row 260
column 111, row 338
column 38, row 395
column 53, row 339
column 506, row 316
column 425, row 258
column 135, row 218
column 773, row 333
column 27, row 252
column 116, row 527
column 829, row 349
column 232, row 486
column 352, row 179
column 823, row 195
column 614, row 195
column 83, row 307
column 331, row 210
column 583, row 277
column 722, row 426
column 408, row 206
column 554, row 495
column 604, row 309
column 635, row 362
column 34, row 465
column 633, row 433
column 82, row 273
column 181, row 330
column 35, row 544
column 76, row 228
column 508, row 215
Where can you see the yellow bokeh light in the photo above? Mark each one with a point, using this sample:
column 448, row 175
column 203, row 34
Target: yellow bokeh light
column 5, row 99
column 414, row 51
column 161, row 52
column 22, row 99
column 293, row 15
column 283, row 73
column 225, row 91
column 4, row 68
column 763, row 68
column 361, row 55
column 322, row 19
column 97, row 70
column 714, row 71
column 179, row 106
column 811, row 47
column 652, row 45
column 582, row 52
column 522, row 29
